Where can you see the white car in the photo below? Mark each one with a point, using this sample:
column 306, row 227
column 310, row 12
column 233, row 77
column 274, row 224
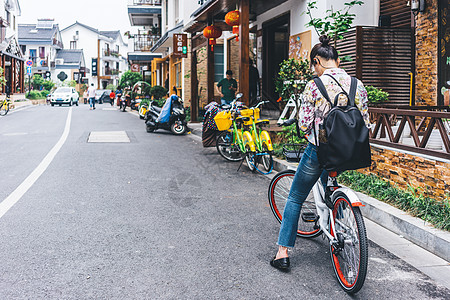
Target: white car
column 64, row 95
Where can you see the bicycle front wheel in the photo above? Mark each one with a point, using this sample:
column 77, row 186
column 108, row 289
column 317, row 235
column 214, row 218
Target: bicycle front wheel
column 4, row 108
column 278, row 193
column 226, row 148
column 349, row 254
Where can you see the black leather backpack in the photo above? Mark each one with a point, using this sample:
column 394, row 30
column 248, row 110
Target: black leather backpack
column 344, row 137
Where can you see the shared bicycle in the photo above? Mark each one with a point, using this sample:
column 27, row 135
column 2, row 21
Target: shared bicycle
column 5, row 105
column 334, row 212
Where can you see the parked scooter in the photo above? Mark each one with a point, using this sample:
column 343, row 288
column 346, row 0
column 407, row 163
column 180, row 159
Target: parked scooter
column 176, row 122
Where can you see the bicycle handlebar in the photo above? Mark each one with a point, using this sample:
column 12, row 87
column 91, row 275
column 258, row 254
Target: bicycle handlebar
column 287, row 122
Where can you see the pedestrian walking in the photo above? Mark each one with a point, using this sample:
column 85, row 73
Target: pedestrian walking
column 254, row 83
column 227, row 88
column 85, row 96
column 91, row 92
column 324, row 58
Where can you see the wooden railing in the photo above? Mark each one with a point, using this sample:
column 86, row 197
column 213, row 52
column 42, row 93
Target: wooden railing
column 417, row 129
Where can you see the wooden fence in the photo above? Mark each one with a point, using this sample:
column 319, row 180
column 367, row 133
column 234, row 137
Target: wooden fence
column 381, row 57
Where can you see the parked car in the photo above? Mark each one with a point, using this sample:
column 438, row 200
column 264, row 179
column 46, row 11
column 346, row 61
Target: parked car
column 102, row 96
column 64, row 95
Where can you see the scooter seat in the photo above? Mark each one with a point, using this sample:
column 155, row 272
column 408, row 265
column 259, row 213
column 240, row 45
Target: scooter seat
column 156, row 108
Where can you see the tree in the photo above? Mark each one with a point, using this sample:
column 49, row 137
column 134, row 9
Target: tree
column 2, row 76
column 48, row 85
column 335, row 23
column 129, row 79
column 37, row 82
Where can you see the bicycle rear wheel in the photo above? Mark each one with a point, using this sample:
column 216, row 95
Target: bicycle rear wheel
column 226, row 148
column 350, row 255
column 278, row 193
column 4, row 108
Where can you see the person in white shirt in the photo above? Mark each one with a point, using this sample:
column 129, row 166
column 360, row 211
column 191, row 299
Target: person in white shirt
column 91, row 93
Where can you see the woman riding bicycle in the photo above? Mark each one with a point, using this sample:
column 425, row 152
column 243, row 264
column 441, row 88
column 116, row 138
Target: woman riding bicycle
column 324, row 58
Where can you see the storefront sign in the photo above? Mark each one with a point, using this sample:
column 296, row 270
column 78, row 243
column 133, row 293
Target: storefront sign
column 180, row 45
column 134, row 68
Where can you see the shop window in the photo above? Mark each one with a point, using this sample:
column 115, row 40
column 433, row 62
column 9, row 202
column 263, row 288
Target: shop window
column 219, row 62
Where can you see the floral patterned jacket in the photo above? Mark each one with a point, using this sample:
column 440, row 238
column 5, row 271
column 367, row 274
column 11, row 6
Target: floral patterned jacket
column 315, row 107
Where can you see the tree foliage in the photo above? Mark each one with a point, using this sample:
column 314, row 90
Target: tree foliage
column 335, row 23
column 128, row 79
column 292, row 77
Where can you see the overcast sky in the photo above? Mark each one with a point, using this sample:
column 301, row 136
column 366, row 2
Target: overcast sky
column 100, row 14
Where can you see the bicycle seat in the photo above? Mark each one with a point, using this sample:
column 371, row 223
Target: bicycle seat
column 242, row 119
column 262, row 122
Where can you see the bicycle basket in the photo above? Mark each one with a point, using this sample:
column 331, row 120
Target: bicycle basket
column 293, row 152
column 223, row 120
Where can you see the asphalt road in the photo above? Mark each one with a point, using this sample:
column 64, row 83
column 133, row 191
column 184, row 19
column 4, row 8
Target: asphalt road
column 157, row 218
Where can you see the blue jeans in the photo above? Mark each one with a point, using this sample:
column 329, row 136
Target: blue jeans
column 307, row 174
column 92, row 102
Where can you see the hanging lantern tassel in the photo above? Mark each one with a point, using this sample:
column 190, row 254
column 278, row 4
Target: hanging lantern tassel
column 212, row 42
column 232, row 18
column 212, row 33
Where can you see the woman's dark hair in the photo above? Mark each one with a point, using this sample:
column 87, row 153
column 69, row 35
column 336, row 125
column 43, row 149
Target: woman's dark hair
column 323, row 49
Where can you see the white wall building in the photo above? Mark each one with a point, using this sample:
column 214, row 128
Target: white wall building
column 12, row 60
column 40, row 43
column 107, row 47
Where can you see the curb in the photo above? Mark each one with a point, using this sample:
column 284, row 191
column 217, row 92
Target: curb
column 411, row 228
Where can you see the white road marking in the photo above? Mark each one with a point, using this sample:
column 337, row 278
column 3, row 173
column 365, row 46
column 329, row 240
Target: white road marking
column 15, row 196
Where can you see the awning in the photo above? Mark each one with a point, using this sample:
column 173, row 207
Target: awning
column 143, row 57
column 167, row 39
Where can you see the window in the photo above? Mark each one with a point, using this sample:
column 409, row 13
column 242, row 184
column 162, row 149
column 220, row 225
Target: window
column 33, row 55
column 177, row 11
column 73, row 45
column 14, row 22
column 167, row 13
column 24, row 49
column 8, row 18
column 219, row 62
column 42, row 52
column 77, row 32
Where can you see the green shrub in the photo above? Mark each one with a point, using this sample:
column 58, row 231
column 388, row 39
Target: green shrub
column 44, row 93
column 33, row 95
column 431, row 210
column 158, row 92
column 159, row 102
column 48, row 85
column 376, row 95
column 287, row 136
column 111, row 87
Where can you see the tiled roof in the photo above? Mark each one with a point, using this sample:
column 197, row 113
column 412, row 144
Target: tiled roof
column 111, row 34
column 71, row 56
column 27, row 32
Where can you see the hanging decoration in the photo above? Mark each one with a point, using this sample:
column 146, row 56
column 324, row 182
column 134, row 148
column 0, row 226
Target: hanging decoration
column 232, row 19
column 212, row 33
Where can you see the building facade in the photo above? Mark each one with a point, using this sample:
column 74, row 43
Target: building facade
column 11, row 56
column 105, row 53
column 40, row 43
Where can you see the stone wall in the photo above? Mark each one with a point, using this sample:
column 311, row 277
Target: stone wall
column 431, row 177
column 427, row 55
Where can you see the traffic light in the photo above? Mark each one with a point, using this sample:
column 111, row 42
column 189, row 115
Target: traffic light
column 184, row 49
column 48, row 75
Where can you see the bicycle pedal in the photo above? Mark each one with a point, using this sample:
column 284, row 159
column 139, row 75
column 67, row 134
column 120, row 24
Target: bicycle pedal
column 309, row 217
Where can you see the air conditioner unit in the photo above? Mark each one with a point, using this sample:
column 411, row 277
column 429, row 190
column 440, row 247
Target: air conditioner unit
column 59, row 61
column 75, row 37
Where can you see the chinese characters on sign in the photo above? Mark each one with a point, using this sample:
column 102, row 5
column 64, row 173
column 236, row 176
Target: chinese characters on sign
column 180, row 45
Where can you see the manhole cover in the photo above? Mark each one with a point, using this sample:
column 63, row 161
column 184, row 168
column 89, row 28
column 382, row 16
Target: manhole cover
column 108, row 137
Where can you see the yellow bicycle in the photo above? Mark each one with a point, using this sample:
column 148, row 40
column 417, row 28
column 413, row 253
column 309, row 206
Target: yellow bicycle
column 5, row 105
column 261, row 139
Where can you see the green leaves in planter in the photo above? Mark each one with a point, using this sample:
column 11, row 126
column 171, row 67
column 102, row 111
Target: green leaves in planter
column 376, row 95
column 292, row 77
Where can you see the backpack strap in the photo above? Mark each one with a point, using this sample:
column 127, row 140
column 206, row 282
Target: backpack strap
column 322, row 88
column 352, row 93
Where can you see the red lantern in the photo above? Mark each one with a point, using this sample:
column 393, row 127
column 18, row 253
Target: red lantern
column 212, row 33
column 232, row 19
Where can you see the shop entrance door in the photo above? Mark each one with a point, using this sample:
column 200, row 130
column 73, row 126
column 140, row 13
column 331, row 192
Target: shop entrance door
column 275, row 50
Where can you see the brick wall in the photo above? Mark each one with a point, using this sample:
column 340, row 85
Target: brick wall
column 430, row 176
column 427, row 55
column 233, row 58
column 202, row 77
